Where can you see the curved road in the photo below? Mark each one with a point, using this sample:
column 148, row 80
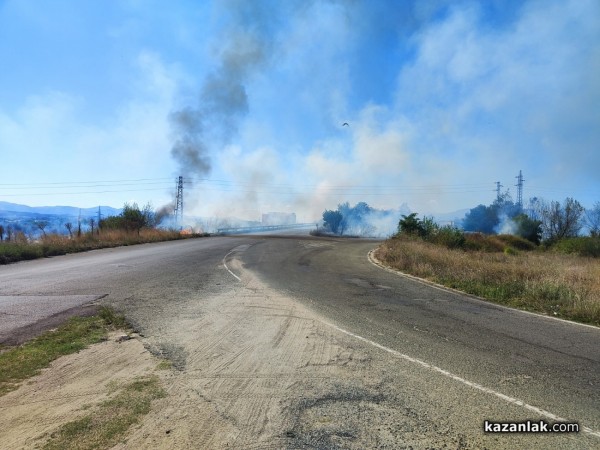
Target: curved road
column 301, row 342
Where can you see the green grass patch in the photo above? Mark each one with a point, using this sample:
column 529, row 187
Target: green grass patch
column 106, row 425
column 25, row 361
column 165, row 364
column 13, row 251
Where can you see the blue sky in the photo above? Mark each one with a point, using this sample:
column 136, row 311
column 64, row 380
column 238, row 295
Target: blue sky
column 106, row 102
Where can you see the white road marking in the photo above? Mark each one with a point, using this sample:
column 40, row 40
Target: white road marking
column 225, row 264
column 479, row 387
column 506, row 398
column 440, row 287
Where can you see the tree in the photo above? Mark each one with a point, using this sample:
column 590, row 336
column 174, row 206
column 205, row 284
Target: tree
column 1, row 233
column 69, row 227
column 410, row 224
column 131, row 218
column 487, row 219
column 481, row 218
column 92, row 223
column 136, row 219
column 429, row 227
column 332, row 220
column 528, row 228
column 560, row 221
column 592, row 220
column 42, row 226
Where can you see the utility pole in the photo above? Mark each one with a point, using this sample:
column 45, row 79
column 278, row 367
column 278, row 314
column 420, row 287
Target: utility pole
column 99, row 219
column 498, row 186
column 519, row 186
column 179, row 202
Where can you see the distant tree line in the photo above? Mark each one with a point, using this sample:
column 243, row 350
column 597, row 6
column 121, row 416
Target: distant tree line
column 360, row 219
column 131, row 219
column 542, row 220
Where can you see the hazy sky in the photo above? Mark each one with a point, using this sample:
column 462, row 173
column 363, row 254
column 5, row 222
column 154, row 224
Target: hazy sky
column 106, row 102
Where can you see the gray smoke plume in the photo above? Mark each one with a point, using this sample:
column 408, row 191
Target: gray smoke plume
column 213, row 117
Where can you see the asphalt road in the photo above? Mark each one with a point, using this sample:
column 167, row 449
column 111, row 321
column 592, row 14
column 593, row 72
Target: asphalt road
column 550, row 363
column 415, row 366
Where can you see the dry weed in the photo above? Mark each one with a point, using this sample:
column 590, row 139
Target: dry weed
column 562, row 285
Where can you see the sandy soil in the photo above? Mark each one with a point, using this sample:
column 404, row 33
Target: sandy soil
column 64, row 391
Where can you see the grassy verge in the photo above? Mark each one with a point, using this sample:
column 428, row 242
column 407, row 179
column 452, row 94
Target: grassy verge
column 19, row 363
column 53, row 245
column 106, row 425
column 561, row 285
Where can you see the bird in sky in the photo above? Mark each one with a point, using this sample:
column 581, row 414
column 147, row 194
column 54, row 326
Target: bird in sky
column 345, row 124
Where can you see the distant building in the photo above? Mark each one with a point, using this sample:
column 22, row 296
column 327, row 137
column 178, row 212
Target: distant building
column 278, row 218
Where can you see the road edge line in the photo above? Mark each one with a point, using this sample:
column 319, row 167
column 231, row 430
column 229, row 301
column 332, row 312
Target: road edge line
column 479, row 387
column 225, row 265
column 441, row 287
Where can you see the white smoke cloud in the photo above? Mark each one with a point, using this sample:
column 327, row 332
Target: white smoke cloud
column 475, row 103
column 436, row 93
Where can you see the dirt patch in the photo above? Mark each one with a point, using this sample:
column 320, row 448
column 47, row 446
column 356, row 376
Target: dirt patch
column 69, row 388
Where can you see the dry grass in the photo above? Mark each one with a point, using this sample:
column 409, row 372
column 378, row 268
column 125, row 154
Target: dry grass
column 566, row 286
column 54, row 244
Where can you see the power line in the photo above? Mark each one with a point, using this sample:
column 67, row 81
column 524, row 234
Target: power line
column 519, row 186
column 220, row 185
column 498, row 186
column 179, row 201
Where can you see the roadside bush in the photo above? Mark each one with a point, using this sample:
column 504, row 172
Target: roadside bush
column 582, row 246
column 448, row 236
column 11, row 252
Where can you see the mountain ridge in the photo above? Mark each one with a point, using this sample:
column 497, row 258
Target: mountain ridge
column 71, row 211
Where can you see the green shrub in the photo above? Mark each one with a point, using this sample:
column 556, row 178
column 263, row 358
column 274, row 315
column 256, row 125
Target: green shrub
column 449, row 237
column 12, row 251
column 582, row 246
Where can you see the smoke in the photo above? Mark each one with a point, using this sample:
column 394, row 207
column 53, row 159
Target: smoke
column 433, row 115
column 506, row 225
column 164, row 215
column 213, row 117
column 189, row 149
column 364, row 221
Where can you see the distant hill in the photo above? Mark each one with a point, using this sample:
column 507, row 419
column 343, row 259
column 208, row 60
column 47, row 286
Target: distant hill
column 65, row 211
column 23, row 218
